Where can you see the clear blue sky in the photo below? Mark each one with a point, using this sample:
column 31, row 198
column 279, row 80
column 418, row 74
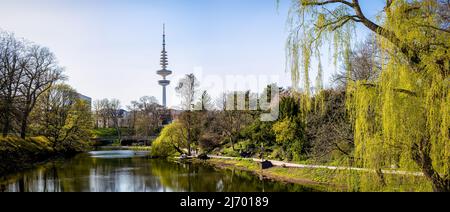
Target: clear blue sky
column 111, row 48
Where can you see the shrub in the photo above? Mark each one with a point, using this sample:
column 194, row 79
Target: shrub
column 230, row 152
column 162, row 148
column 171, row 141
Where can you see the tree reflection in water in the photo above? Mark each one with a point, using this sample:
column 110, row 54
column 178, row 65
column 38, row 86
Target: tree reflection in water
column 125, row 171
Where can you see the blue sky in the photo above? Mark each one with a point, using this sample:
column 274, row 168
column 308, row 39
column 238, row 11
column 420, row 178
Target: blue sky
column 111, row 48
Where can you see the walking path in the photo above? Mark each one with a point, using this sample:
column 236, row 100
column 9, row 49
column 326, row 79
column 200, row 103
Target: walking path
column 303, row 166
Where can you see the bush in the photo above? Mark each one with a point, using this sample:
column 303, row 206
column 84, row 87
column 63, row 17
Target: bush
column 208, row 142
column 290, row 135
column 277, row 154
column 229, row 152
column 171, row 141
column 162, row 148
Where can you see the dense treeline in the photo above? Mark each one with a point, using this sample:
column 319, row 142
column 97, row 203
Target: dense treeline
column 34, row 101
column 147, row 117
column 323, row 134
column 143, row 118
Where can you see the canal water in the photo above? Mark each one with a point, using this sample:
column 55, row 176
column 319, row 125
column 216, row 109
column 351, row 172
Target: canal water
column 129, row 171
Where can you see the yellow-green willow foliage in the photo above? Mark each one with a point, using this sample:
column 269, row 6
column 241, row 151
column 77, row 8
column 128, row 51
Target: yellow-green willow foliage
column 310, row 30
column 402, row 120
column 320, row 93
column 171, row 140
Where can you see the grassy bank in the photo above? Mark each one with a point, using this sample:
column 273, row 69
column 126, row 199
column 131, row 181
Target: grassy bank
column 328, row 180
column 17, row 154
column 314, row 178
column 132, row 148
column 107, row 132
column 140, row 148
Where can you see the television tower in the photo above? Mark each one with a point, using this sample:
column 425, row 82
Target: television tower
column 164, row 72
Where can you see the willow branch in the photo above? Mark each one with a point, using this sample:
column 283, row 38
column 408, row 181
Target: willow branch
column 398, row 90
column 321, row 3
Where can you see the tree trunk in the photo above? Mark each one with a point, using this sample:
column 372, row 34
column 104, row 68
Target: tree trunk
column 24, row 123
column 119, row 134
column 6, row 126
column 381, row 178
column 439, row 184
column 133, row 127
column 421, row 156
column 178, row 149
column 189, row 140
column 23, row 127
column 7, row 121
column 232, row 143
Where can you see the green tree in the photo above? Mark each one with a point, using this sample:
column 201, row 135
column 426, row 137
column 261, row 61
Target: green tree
column 12, row 60
column 235, row 117
column 187, row 89
column 172, row 140
column 290, row 129
column 63, row 117
column 260, row 132
column 404, row 118
column 204, row 103
column 27, row 70
column 148, row 117
column 289, row 138
column 329, row 131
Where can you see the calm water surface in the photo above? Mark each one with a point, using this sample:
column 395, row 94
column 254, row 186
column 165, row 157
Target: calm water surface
column 128, row 171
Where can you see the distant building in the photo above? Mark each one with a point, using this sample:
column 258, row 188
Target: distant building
column 87, row 99
column 174, row 114
column 123, row 119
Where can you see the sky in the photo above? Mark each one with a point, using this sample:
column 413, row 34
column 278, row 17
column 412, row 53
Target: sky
column 111, row 48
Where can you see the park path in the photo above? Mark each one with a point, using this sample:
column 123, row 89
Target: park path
column 304, row 166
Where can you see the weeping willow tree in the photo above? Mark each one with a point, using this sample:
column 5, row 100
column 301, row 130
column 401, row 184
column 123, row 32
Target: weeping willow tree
column 402, row 119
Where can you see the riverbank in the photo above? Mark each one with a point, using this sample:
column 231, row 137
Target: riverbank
column 326, row 178
column 17, row 154
column 315, row 179
column 132, row 148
